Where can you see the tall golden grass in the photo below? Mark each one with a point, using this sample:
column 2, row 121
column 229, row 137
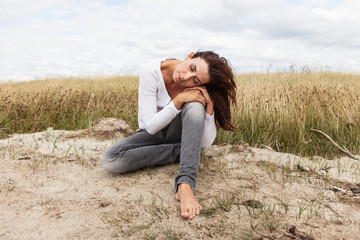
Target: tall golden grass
column 68, row 103
column 279, row 109
column 274, row 109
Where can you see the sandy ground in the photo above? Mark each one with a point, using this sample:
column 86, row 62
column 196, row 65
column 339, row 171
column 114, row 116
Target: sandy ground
column 52, row 186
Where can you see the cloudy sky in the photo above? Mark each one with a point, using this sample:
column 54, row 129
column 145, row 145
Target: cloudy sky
column 45, row 38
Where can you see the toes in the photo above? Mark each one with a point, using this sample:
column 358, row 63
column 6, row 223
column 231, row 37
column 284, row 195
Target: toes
column 192, row 212
column 184, row 212
column 198, row 209
column 185, row 215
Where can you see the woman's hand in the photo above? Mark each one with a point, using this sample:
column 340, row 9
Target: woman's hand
column 189, row 95
column 195, row 94
column 209, row 103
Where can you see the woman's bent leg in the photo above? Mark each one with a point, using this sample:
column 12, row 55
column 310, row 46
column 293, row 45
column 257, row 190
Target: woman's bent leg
column 193, row 118
column 138, row 151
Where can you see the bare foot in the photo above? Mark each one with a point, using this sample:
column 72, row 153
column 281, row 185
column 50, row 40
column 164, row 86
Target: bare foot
column 201, row 166
column 189, row 206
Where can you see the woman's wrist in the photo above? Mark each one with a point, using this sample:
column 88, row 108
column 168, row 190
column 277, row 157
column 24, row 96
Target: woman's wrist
column 209, row 109
column 177, row 102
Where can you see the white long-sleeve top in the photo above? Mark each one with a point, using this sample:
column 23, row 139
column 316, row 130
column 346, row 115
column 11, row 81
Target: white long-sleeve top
column 156, row 109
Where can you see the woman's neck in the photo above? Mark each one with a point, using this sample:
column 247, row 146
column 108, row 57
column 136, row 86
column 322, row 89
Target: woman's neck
column 167, row 70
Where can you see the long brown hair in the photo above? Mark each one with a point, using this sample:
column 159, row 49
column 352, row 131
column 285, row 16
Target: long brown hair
column 221, row 88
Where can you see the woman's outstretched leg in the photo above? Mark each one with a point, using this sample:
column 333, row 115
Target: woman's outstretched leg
column 138, row 151
column 193, row 117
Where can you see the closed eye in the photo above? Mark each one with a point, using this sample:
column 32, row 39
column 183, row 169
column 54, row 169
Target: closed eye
column 197, row 81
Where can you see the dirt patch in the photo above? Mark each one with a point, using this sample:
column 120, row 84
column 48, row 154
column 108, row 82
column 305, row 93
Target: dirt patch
column 52, row 186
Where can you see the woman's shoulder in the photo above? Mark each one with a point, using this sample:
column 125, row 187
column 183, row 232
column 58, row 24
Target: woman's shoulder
column 151, row 70
column 153, row 65
column 150, row 74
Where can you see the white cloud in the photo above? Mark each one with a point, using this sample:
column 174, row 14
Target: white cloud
column 106, row 36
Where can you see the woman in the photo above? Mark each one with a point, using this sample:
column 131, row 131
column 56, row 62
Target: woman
column 180, row 104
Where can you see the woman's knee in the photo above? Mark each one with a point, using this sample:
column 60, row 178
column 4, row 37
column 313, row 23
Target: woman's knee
column 193, row 110
column 106, row 162
column 113, row 164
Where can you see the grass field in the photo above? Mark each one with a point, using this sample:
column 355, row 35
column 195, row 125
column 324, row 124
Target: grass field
column 274, row 109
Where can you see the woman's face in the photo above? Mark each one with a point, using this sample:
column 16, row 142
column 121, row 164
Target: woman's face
column 191, row 72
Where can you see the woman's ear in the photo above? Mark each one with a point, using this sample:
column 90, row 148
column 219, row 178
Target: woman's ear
column 189, row 55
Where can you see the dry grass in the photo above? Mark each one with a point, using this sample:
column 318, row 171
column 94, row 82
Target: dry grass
column 274, row 109
column 71, row 103
column 278, row 110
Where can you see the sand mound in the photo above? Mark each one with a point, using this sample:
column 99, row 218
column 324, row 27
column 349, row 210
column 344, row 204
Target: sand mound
column 53, row 187
column 103, row 129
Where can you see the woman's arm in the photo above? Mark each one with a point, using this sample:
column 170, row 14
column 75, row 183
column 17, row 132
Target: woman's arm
column 148, row 117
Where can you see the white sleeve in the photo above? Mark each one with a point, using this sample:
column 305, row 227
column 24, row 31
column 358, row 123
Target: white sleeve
column 162, row 118
column 209, row 131
column 148, row 116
